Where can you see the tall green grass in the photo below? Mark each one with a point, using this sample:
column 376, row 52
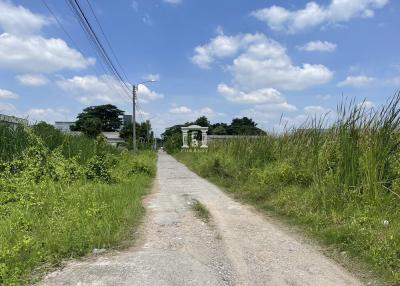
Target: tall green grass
column 341, row 180
column 62, row 196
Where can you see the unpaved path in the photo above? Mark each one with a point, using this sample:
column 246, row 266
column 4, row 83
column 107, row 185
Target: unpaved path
column 238, row 246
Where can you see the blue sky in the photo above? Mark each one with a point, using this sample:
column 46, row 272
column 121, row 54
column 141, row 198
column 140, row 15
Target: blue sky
column 274, row 61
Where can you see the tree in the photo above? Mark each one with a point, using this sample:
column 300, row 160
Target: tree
column 51, row 136
column 202, row 121
column 244, row 126
column 108, row 115
column 144, row 134
column 172, row 138
column 91, row 127
column 219, row 129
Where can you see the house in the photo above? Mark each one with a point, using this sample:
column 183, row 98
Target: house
column 111, row 137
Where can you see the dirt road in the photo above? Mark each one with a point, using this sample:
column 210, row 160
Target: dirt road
column 238, row 246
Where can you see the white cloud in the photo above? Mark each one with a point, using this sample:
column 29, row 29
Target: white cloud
column 152, row 77
column 222, row 46
column 146, row 19
column 265, row 95
column 168, row 118
column 19, row 20
column 49, row 115
column 313, row 14
column 279, row 73
column 143, row 113
column 261, row 63
column 145, row 94
column 394, row 81
column 23, row 48
column 7, row 94
column 135, row 5
column 266, row 114
column 180, row 110
column 32, row 79
column 318, row 46
column 92, row 89
column 289, row 122
column 275, row 108
column 207, row 111
column 316, row 110
column 260, row 68
column 104, row 89
column 38, row 54
column 357, row 81
column 367, row 105
column 219, row 30
column 7, row 108
column 323, row 96
column 173, row 2
column 186, row 113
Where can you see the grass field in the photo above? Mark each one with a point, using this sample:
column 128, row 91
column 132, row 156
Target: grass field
column 62, row 196
column 341, row 182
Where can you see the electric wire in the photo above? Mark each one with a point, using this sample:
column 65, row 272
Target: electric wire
column 74, row 43
column 92, row 37
column 107, row 41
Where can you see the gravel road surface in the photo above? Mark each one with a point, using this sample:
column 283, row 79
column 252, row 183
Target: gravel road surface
column 237, row 247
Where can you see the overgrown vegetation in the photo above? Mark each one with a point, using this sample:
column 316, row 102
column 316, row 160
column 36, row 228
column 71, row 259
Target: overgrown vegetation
column 144, row 134
column 95, row 119
column 172, row 136
column 342, row 183
column 62, row 196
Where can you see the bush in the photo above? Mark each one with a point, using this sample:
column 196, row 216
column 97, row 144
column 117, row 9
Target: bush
column 140, row 167
column 56, row 200
column 98, row 168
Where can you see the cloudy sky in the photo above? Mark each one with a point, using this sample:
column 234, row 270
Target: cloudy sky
column 274, row 61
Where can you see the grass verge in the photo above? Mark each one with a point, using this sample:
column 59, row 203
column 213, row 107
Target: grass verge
column 341, row 183
column 55, row 206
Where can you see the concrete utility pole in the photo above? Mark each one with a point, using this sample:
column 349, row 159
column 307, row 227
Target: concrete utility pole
column 134, row 91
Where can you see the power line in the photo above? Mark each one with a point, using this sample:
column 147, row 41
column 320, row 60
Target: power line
column 101, row 51
column 107, row 41
column 74, row 43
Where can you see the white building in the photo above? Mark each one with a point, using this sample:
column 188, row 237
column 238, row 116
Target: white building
column 12, row 120
column 64, row 126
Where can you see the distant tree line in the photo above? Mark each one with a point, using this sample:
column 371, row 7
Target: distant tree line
column 108, row 118
column 172, row 137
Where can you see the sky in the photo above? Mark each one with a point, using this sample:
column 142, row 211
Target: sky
column 278, row 62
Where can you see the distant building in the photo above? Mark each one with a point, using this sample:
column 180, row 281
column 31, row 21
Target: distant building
column 127, row 119
column 113, row 138
column 64, row 126
column 12, row 120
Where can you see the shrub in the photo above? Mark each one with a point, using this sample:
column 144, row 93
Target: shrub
column 140, row 167
column 99, row 168
column 56, row 200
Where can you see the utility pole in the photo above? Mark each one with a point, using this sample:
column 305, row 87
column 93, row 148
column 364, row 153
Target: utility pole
column 134, row 91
